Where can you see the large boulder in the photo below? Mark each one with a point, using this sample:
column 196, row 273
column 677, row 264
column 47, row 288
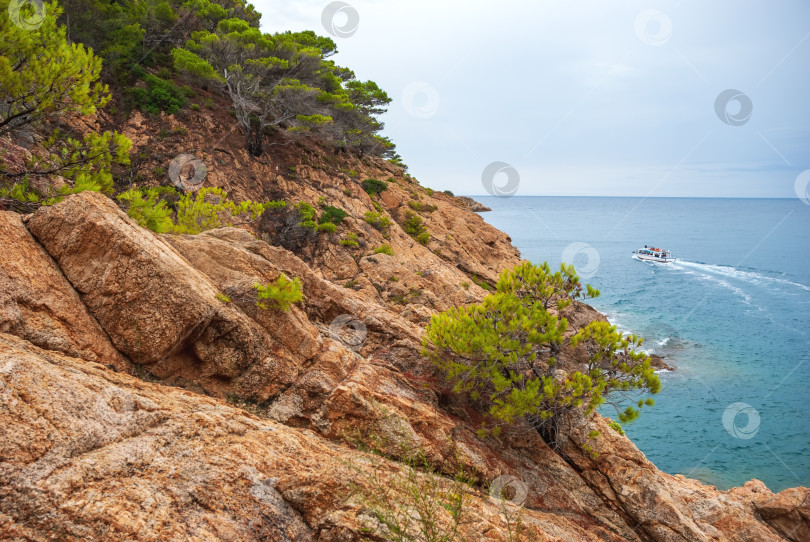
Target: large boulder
column 38, row 304
column 160, row 311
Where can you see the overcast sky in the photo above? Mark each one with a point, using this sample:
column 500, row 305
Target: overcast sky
column 583, row 97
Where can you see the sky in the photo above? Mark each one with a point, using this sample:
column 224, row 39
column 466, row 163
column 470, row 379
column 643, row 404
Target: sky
column 583, row 98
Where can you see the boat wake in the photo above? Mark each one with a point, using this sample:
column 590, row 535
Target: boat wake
column 734, row 273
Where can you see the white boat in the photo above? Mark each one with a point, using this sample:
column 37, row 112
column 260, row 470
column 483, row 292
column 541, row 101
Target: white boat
column 653, row 254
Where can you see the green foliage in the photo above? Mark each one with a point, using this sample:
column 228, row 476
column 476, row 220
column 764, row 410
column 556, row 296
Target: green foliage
column 350, row 240
column 449, row 193
column 41, row 74
column 210, row 208
column 384, row 249
column 279, row 294
column 505, row 351
column 306, row 212
column 224, row 298
column 159, row 95
column 335, row 215
column 206, row 209
column 373, row 186
column 148, row 209
column 378, row 221
column 414, row 227
column 429, row 191
column 421, row 207
column 327, row 227
column 616, row 427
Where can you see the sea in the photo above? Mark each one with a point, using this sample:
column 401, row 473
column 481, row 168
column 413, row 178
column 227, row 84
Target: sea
column 731, row 315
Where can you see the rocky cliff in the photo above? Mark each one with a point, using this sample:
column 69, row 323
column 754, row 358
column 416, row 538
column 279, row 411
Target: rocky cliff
column 144, row 396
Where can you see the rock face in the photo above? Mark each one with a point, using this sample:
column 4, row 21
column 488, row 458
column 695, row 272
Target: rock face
column 90, row 452
column 38, row 304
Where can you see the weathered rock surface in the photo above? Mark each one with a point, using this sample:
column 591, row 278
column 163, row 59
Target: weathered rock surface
column 38, row 304
column 158, row 310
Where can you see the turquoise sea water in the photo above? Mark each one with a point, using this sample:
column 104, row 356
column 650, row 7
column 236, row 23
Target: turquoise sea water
column 732, row 315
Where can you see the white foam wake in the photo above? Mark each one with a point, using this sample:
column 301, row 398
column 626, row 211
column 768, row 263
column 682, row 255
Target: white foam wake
column 734, row 273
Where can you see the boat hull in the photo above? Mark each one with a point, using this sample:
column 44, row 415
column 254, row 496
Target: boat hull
column 645, row 258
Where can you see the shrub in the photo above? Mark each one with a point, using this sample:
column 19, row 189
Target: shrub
column 373, row 186
column 224, row 298
column 421, row 207
column 350, row 241
column 384, row 249
column 279, row 294
column 505, row 351
column 449, row 193
column 331, row 214
column 148, row 209
column 307, row 214
column 414, row 227
column 378, row 221
column 159, row 95
column 327, row 227
column 207, row 209
column 210, row 208
column 429, row 191
column 195, row 107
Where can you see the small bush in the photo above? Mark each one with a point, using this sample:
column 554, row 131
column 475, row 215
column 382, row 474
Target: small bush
column 429, row 191
column 350, row 241
column 414, row 227
column 307, row 214
column 279, row 294
column 195, row 107
column 224, row 298
column 327, row 227
column 335, row 215
column 378, row 221
column 450, row 193
column 373, row 186
column 421, row 207
column 159, row 95
column 209, row 103
column 384, row 249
